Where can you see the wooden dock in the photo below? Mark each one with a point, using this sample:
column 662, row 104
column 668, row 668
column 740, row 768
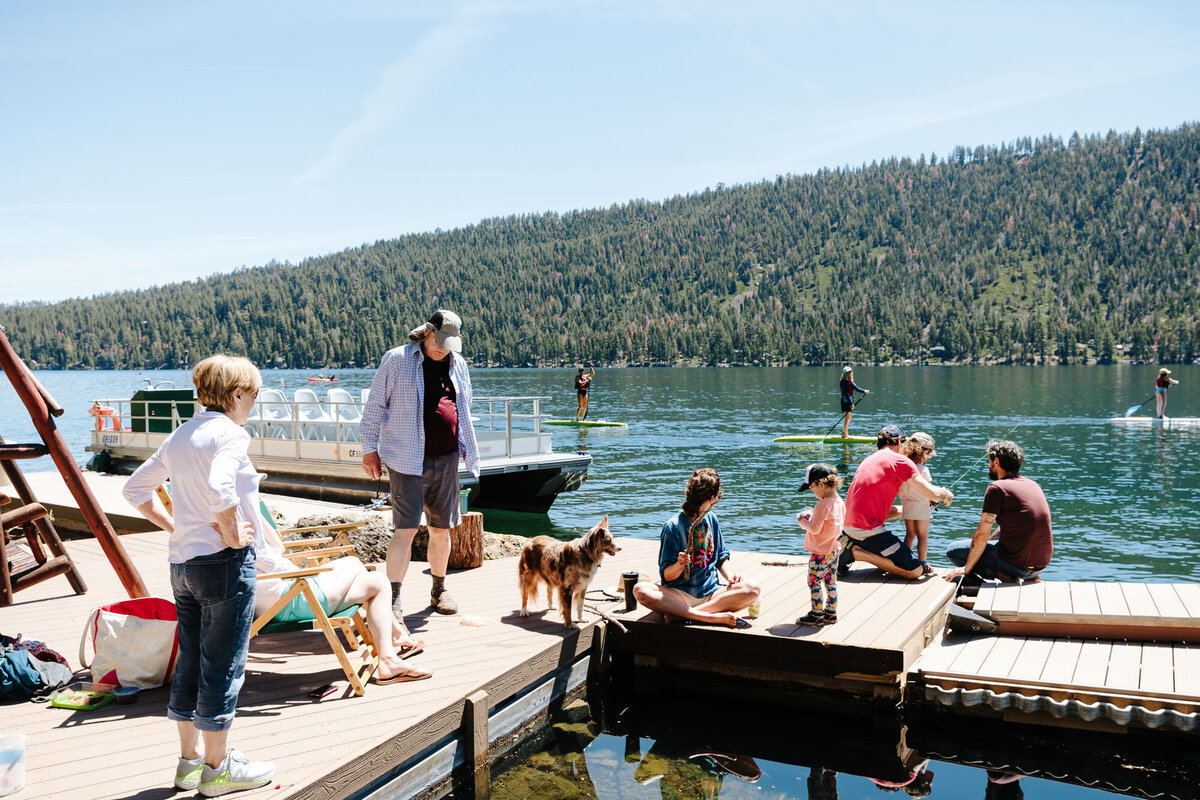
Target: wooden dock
column 344, row 746
column 1129, row 611
column 1118, row 679
column 884, row 623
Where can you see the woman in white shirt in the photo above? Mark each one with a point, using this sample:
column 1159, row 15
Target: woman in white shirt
column 214, row 491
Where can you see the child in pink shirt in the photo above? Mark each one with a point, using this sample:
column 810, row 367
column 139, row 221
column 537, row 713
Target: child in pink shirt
column 823, row 526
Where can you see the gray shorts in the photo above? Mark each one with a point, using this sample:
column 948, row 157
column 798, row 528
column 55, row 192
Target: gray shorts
column 435, row 492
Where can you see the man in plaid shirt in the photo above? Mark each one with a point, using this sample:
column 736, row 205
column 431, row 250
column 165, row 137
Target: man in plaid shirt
column 417, row 422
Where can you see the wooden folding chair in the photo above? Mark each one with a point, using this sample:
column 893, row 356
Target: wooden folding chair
column 359, row 658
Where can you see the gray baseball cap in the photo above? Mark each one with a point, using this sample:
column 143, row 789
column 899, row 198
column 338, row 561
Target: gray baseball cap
column 447, row 329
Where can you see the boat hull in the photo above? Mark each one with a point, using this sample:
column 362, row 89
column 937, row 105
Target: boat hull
column 517, row 485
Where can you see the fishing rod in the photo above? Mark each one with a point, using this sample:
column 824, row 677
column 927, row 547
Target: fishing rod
column 982, row 457
column 853, row 406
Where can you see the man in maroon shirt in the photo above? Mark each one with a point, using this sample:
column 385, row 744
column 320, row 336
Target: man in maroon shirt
column 1025, row 543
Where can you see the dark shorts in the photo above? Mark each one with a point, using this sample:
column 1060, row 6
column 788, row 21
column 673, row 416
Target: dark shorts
column 581, row 392
column 888, row 546
column 847, row 405
column 435, row 492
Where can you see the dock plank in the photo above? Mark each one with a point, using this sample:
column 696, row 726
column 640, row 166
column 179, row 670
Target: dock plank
column 1062, row 661
column 985, row 597
column 1032, row 659
column 1186, row 658
column 1003, row 655
column 1084, row 602
column 1092, row 667
column 1138, row 600
column 1158, row 669
column 1058, row 598
column 1124, row 666
column 939, row 659
column 1031, row 600
column 1189, row 595
column 1006, row 600
column 1167, row 602
column 970, row 658
column 1112, row 600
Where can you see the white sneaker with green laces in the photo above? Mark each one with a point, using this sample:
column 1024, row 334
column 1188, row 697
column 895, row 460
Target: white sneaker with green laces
column 187, row 773
column 236, row 774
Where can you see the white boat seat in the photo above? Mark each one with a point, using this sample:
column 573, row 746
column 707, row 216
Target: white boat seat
column 346, row 413
column 271, row 417
column 313, row 418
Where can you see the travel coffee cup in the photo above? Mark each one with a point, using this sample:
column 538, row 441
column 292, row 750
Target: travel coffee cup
column 628, row 579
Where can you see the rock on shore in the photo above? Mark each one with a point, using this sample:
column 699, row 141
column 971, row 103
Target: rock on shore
column 371, row 542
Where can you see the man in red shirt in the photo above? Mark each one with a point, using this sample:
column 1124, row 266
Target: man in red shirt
column 1025, row 543
column 871, row 502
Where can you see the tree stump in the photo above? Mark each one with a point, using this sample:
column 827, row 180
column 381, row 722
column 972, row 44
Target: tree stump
column 466, row 542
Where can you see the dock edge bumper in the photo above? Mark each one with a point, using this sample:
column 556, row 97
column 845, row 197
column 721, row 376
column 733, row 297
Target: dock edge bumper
column 1089, row 712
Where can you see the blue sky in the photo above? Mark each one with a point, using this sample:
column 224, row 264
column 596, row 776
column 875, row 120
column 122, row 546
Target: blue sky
column 146, row 143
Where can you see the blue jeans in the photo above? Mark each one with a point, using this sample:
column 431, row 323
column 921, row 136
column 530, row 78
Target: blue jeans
column 214, row 598
column 990, row 565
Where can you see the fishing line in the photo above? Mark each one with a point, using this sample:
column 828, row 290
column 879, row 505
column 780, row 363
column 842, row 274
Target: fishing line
column 982, row 457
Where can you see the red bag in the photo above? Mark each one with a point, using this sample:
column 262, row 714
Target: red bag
column 134, row 642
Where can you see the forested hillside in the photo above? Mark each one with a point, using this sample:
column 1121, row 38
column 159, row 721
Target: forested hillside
column 1035, row 251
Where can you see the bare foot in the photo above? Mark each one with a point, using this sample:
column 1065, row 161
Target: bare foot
column 401, row 638
column 727, row 618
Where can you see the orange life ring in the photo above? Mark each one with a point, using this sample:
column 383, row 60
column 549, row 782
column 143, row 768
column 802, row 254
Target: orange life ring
column 105, row 412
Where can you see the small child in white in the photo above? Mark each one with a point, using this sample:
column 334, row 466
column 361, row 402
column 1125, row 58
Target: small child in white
column 823, row 525
column 915, row 508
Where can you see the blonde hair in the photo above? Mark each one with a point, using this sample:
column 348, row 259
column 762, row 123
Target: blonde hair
column 915, row 446
column 833, row 482
column 218, row 378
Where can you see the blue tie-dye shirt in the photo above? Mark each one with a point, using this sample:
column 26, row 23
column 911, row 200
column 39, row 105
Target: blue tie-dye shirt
column 708, row 553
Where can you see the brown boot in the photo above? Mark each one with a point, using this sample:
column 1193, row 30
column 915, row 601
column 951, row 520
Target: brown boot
column 443, row 603
column 439, row 601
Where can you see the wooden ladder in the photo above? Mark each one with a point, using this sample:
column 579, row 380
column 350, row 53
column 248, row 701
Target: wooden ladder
column 43, row 554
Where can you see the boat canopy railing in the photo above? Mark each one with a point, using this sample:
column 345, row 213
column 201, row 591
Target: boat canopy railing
column 275, row 417
column 508, row 415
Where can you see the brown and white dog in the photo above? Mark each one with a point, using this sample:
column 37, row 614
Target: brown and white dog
column 567, row 566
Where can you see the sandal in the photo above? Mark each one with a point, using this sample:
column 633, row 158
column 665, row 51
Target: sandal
column 812, row 618
column 410, row 650
column 410, row 674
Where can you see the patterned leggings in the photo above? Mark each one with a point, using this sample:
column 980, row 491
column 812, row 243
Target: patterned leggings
column 823, row 568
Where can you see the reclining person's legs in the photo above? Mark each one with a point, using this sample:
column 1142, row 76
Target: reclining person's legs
column 351, row 584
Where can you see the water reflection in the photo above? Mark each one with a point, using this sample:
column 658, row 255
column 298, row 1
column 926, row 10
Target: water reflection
column 684, row 746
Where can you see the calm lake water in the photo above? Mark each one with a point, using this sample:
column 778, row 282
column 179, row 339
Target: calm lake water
column 1124, row 498
column 742, row 752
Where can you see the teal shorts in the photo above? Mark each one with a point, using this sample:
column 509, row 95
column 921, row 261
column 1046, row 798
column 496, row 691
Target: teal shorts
column 298, row 610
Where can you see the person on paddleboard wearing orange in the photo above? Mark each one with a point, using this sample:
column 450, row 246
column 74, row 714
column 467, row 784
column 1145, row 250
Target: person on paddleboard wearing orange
column 1163, row 382
column 847, row 387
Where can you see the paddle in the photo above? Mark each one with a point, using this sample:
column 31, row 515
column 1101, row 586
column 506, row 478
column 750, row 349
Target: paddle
column 844, row 413
column 1129, row 411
